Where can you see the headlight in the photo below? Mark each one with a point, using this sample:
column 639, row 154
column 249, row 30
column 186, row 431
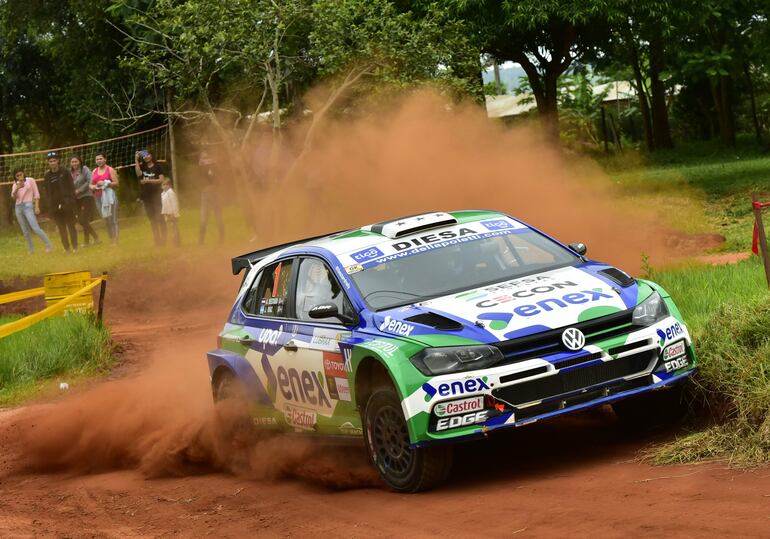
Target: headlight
column 650, row 310
column 433, row 361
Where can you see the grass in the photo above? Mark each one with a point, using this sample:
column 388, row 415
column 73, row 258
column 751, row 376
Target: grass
column 727, row 309
column 67, row 347
column 136, row 247
column 698, row 187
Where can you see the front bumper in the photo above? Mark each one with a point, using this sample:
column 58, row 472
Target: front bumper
column 528, row 391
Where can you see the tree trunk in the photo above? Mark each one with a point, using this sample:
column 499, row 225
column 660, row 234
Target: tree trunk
column 754, row 117
column 661, row 128
column 549, row 115
column 720, row 91
column 644, row 106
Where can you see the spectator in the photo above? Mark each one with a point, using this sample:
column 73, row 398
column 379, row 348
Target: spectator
column 210, row 201
column 60, row 191
column 170, row 209
column 104, row 179
column 84, row 197
column 150, row 174
column 27, row 197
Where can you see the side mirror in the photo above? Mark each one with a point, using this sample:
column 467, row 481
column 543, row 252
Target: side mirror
column 579, row 248
column 329, row 310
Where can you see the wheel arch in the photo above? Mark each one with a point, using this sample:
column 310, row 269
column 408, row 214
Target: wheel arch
column 371, row 374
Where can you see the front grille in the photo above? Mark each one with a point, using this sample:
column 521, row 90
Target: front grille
column 549, row 342
column 576, row 379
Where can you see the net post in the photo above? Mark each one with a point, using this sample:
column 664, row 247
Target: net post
column 761, row 235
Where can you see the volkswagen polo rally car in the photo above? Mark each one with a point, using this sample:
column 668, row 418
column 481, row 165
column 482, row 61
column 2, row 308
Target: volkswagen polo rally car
column 430, row 329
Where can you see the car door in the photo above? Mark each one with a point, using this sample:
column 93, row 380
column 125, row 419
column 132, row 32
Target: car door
column 326, row 343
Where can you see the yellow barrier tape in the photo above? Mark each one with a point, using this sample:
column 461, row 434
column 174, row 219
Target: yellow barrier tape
column 21, row 294
column 56, row 308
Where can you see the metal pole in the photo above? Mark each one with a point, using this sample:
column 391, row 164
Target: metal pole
column 761, row 234
column 102, row 290
column 604, row 131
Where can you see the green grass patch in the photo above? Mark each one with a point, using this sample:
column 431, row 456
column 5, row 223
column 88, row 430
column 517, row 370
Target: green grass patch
column 136, row 247
column 698, row 187
column 65, row 347
column 727, row 309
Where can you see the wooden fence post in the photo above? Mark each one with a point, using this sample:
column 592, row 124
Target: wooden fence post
column 102, row 290
column 757, row 207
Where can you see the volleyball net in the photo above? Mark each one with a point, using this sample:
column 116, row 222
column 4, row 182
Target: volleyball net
column 119, row 152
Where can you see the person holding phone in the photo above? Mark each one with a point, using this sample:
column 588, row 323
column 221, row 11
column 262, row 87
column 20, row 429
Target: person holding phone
column 151, row 176
column 27, row 197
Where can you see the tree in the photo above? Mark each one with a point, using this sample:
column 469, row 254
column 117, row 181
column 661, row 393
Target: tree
column 544, row 37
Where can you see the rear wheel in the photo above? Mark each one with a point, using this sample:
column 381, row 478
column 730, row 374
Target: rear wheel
column 233, row 409
column 402, row 467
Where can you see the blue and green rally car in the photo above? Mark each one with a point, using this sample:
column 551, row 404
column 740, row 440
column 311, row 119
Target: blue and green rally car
column 434, row 328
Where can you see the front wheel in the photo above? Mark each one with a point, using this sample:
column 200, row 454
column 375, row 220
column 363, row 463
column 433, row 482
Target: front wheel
column 402, row 467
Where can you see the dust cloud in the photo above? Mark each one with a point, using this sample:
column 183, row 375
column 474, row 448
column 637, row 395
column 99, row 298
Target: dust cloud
column 164, row 423
column 419, row 154
column 423, row 154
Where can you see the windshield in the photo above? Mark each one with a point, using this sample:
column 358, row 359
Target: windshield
column 463, row 266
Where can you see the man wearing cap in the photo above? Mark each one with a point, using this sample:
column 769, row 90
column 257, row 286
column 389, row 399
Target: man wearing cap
column 60, row 192
column 150, row 174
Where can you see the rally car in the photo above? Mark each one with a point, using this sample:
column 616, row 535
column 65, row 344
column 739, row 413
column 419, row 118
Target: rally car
column 426, row 330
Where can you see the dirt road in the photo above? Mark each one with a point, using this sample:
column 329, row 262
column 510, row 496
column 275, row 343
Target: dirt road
column 135, row 457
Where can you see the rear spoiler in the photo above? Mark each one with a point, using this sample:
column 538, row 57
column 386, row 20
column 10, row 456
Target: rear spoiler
column 249, row 259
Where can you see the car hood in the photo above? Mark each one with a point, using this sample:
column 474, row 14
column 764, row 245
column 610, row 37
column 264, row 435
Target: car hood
column 515, row 308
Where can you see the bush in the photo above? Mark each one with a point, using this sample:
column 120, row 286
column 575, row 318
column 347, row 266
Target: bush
column 734, row 384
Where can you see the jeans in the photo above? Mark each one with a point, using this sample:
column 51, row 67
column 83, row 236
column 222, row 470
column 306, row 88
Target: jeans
column 64, row 215
column 210, row 203
column 152, row 209
column 85, row 214
column 25, row 215
column 173, row 224
column 111, row 222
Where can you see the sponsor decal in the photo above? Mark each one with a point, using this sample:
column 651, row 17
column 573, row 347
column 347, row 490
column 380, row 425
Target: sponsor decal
column 527, row 293
column 573, row 339
column 387, row 349
column 299, row 418
column 456, row 421
column 301, row 386
column 264, row 421
column 343, row 389
column 348, row 429
column 327, row 339
column 497, row 224
column 674, row 350
column 334, row 365
column 367, row 254
column 669, row 333
column 269, row 336
column 343, row 279
column 444, row 409
column 458, row 387
column 427, row 239
column 397, row 327
column 353, row 268
column 676, row 364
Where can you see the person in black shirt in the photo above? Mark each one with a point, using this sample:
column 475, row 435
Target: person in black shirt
column 60, row 192
column 150, row 174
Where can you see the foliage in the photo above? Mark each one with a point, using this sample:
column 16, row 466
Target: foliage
column 71, row 345
column 728, row 317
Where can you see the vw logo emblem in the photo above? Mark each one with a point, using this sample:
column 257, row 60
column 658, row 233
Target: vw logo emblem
column 573, row 339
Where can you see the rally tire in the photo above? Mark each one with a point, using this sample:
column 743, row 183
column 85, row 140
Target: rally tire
column 661, row 408
column 402, row 467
